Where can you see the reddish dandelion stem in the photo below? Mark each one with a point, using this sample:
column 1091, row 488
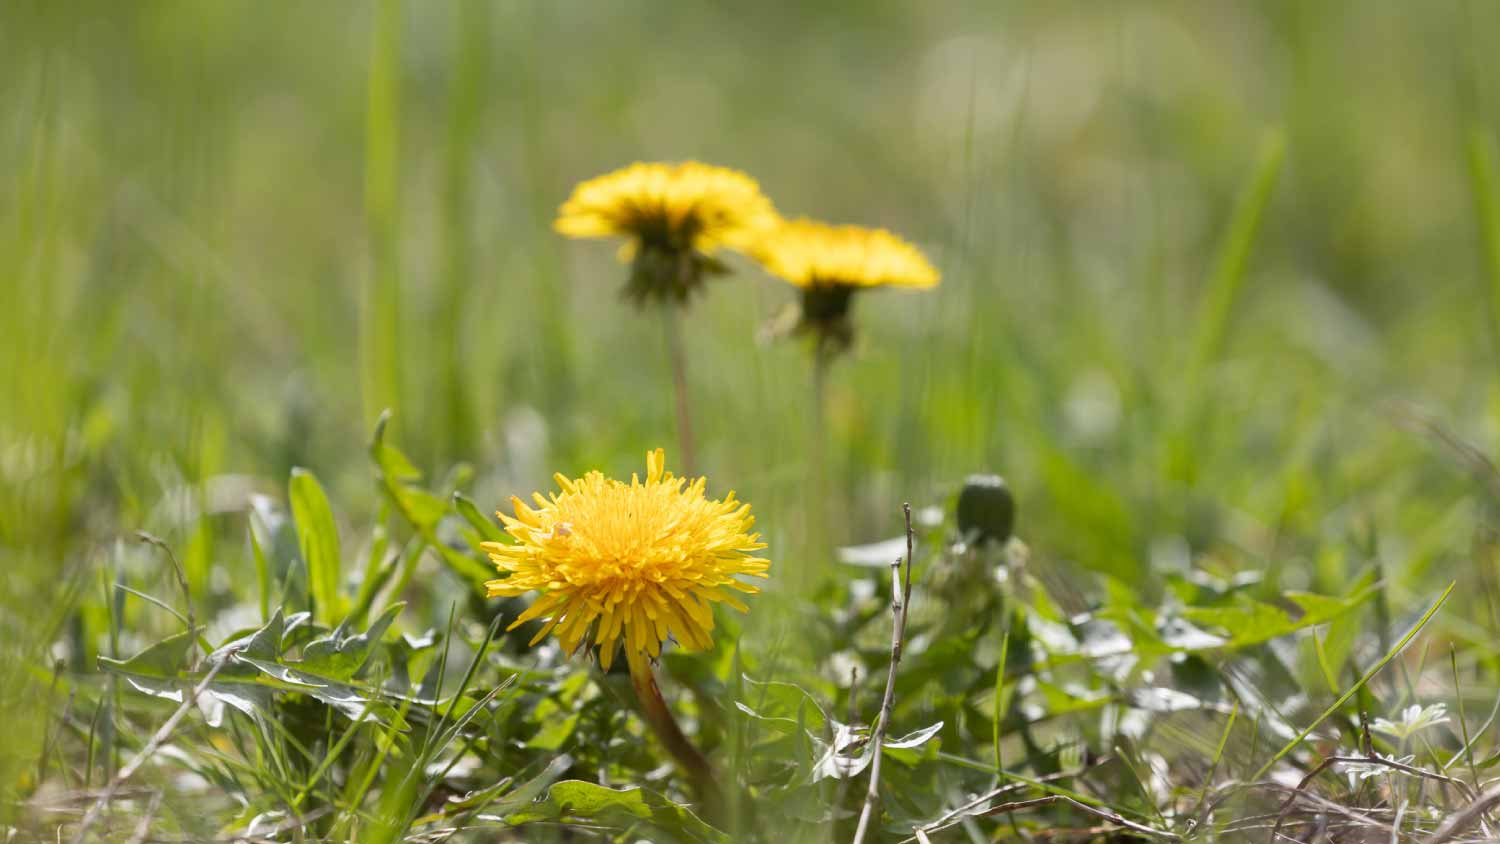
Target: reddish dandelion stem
column 664, row 724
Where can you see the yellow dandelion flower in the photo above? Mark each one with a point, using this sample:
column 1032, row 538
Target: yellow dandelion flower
column 829, row 263
column 808, row 253
column 629, row 564
column 674, row 215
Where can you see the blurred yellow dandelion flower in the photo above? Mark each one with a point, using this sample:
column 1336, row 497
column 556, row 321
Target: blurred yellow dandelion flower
column 674, row 215
column 808, row 253
column 628, row 563
column 829, row 263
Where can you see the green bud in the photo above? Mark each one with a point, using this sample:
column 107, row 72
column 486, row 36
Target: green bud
column 986, row 509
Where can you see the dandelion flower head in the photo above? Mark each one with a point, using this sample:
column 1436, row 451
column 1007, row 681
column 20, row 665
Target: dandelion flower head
column 809, row 254
column 830, row 264
column 628, row 564
column 687, row 206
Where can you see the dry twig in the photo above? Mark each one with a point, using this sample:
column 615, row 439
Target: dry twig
column 1360, row 819
column 1471, row 457
column 963, row 810
column 143, row 829
column 900, row 604
column 1466, row 817
column 182, row 582
column 1300, row 790
column 1052, row 799
column 149, row 750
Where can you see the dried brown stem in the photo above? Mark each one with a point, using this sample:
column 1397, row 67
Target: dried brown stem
column 1363, row 819
column 900, row 606
column 1466, row 817
column 1300, row 790
column 963, row 810
column 182, row 582
column 143, row 829
column 1052, row 799
column 148, row 751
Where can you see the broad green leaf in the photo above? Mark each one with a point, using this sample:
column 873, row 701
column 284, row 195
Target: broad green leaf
column 465, row 566
column 486, row 528
column 576, row 798
column 264, row 643
column 579, row 800
column 785, row 726
column 522, row 795
column 351, row 699
column 318, row 537
column 341, row 657
column 1252, row 622
column 394, row 463
column 162, row 660
column 916, row 738
column 782, row 702
column 554, row 733
column 422, row 509
column 419, row 506
column 909, row 749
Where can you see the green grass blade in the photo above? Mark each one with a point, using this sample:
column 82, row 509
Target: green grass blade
column 1482, row 181
column 318, row 536
column 333, row 754
column 1220, row 297
column 380, row 326
column 1223, row 291
column 1213, row 766
column 1000, row 698
column 1329, row 675
column 466, row 108
column 262, row 573
column 1463, row 721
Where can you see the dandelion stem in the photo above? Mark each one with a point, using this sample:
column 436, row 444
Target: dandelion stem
column 822, row 357
column 687, row 755
column 672, row 315
column 900, row 609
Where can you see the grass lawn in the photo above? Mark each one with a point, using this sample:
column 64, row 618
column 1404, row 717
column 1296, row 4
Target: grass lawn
column 287, row 317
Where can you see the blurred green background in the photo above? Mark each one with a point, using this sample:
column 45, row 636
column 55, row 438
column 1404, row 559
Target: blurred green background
column 230, row 234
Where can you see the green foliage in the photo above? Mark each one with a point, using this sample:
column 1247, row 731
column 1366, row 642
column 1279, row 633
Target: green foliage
column 318, row 536
column 423, row 510
column 584, row 801
column 1209, row 306
column 355, row 727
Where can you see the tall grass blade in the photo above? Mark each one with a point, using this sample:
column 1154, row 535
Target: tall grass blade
column 466, row 108
column 1001, row 703
column 1482, row 181
column 318, row 537
column 262, row 573
column 1220, row 297
column 380, row 325
column 1223, row 291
